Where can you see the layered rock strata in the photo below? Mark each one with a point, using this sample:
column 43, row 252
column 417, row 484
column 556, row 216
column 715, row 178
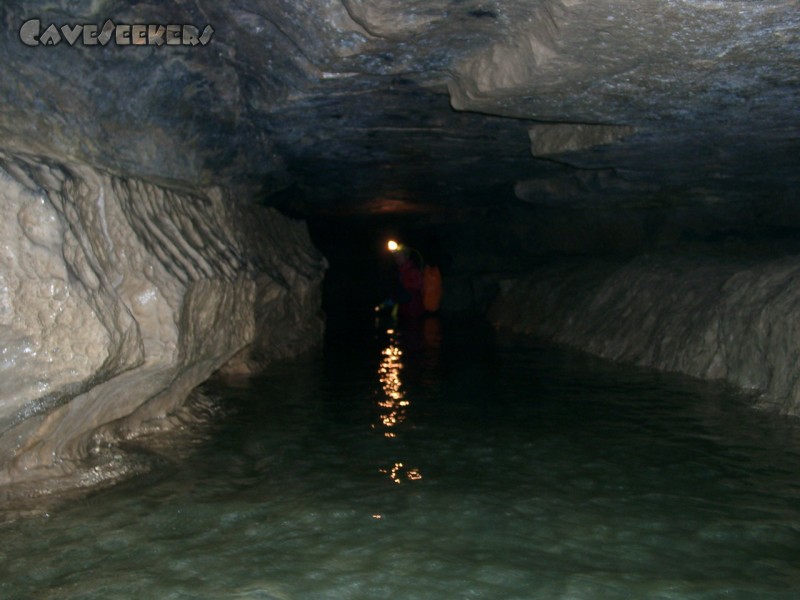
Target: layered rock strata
column 715, row 319
column 119, row 296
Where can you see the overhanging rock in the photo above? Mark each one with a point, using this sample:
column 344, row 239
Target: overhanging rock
column 119, row 296
column 555, row 138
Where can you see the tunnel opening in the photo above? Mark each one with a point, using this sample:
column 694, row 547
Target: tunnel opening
column 480, row 247
column 362, row 271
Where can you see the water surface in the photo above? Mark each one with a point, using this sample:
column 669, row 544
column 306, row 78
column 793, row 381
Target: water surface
column 441, row 463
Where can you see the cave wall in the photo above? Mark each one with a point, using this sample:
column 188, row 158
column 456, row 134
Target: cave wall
column 119, row 296
column 524, row 130
column 710, row 317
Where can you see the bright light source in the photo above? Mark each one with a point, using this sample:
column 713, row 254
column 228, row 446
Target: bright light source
column 393, row 246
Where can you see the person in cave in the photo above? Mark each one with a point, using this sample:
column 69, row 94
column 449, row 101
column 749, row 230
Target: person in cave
column 411, row 281
column 417, row 288
column 406, row 301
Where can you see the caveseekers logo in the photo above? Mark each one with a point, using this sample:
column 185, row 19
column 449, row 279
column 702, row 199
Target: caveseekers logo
column 32, row 34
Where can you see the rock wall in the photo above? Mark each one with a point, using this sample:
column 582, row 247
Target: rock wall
column 119, row 296
column 717, row 318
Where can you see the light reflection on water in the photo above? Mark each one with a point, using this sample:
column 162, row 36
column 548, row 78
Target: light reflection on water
column 393, row 404
column 524, row 472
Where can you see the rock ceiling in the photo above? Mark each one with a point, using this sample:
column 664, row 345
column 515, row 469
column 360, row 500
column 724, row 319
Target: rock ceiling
column 386, row 106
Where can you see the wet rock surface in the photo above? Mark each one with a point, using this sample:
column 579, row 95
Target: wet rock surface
column 119, row 297
column 133, row 263
column 291, row 95
column 714, row 318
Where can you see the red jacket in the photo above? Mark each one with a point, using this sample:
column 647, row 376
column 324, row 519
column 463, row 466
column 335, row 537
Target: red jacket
column 411, row 280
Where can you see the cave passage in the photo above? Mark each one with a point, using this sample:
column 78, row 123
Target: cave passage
column 199, row 400
column 447, row 462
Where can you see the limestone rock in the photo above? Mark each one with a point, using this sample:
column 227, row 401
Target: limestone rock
column 710, row 318
column 127, row 277
column 119, row 296
column 288, row 94
column 555, row 138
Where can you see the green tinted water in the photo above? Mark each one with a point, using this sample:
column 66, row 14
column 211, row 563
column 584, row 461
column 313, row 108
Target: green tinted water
column 442, row 464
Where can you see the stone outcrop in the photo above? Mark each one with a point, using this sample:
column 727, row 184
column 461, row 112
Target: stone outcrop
column 556, row 138
column 119, row 296
column 710, row 318
column 292, row 93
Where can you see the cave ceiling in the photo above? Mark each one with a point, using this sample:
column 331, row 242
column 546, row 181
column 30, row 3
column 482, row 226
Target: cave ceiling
column 379, row 106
